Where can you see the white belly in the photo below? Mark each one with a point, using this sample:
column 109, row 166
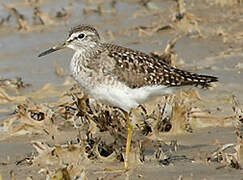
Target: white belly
column 127, row 98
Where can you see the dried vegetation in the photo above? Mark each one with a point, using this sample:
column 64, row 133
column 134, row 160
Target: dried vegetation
column 98, row 132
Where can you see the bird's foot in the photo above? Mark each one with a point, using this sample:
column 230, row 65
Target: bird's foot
column 112, row 170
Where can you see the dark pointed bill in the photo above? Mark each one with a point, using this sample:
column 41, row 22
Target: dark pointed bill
column 53, row 49
column 47, row 52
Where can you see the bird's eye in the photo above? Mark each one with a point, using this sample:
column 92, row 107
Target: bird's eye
column 81, row 36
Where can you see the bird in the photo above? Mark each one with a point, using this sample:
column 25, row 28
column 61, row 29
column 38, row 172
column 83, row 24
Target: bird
column 122, row 77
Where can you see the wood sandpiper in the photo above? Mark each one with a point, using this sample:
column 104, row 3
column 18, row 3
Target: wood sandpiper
column 122, row 77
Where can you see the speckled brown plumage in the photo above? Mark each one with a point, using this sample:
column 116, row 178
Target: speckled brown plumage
column 137, row 69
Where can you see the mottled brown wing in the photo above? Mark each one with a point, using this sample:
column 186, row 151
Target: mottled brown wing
column 137, row 69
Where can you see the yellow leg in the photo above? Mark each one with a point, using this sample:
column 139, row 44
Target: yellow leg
column 129, row 139
column 126, row 158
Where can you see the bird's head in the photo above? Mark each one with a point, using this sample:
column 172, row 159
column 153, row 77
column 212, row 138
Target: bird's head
column 80, row 38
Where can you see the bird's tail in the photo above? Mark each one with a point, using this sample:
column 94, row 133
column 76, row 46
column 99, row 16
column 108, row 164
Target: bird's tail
column 190, row 78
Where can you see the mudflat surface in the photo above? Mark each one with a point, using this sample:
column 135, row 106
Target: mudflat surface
column 35, row 147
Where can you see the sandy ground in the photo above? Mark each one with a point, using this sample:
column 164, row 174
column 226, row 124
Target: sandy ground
column 210, row 42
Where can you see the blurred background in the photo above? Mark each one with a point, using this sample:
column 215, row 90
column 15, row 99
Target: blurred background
column 209, row 41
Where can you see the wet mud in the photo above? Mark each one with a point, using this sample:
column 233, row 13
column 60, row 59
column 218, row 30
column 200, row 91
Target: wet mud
column 50, row 130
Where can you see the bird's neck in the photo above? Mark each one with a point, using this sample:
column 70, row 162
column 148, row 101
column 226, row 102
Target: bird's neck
column 89, row 51
column 84, row 56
